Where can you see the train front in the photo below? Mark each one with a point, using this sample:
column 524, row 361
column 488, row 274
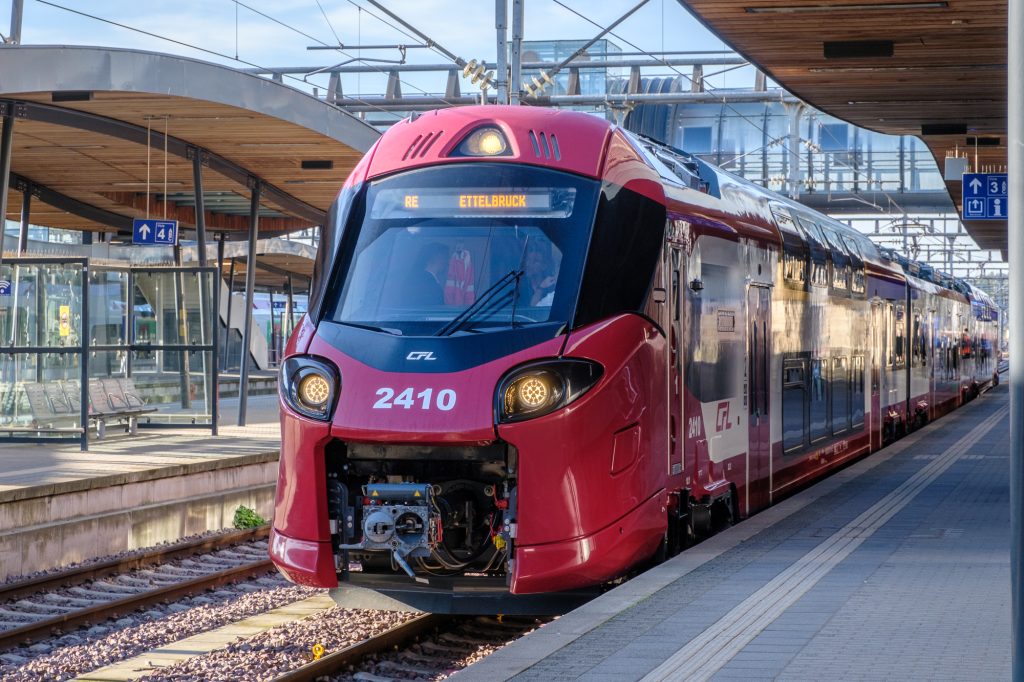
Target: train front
column 430, row 380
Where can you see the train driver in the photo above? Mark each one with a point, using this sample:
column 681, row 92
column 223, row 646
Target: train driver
column 425, row 284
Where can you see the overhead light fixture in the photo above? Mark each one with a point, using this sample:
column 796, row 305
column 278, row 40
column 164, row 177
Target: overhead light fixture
column 51, row 147
column 858, row 49
column 153, row 185
column 850, row 7
column 279, row 144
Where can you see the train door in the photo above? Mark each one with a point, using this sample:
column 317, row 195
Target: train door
column 674, row 268
column 759, row 450
column 877, row 359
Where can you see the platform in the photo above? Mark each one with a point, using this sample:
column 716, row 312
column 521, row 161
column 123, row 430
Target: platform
column 896, row 567
column 59, row 505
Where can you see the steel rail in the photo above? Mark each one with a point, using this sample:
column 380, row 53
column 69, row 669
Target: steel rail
column 80, row 574
column 100, row 612
column 396, row 636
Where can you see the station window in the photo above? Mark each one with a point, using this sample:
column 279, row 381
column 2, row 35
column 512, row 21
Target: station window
column 840, row 396
column 697, row 140
column 818, row 412
column 794, row 404
column 857, row 391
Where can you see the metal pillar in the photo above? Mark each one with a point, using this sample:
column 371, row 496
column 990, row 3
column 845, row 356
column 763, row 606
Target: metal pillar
column 291, row 309
column 16, row 11
column 1015, row 252
column 227, row 320
column 6, row 145
column 793, row 144
column 516, row 79
column 26, row 210
column 250, row 286
column 197, row 184
column 501, row 26
column 207, row 327
column 273, row 331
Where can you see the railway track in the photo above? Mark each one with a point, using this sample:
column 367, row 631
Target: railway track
column 430, row 646
column 36, row 608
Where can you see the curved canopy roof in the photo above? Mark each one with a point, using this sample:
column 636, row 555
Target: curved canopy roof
column 83, row 116
column 932, row 69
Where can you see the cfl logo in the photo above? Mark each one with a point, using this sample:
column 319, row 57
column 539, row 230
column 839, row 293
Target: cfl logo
column 722, row 422
column 420, row 355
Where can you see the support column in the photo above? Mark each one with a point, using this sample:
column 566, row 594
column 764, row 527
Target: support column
column 793, row 143
column 207, row 315
column 6, row 145
column 227, row 318
column 197, row 185
column 501, row 26
column 516, row 77
column 26, row 210
column 250, row 287
column 17, row 7
column 1015, row 252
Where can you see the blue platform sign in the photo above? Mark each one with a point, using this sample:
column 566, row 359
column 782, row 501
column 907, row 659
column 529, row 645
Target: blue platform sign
column 155, row 232
column 985, row 196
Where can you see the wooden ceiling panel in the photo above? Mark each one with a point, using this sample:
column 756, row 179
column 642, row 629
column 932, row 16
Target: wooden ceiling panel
column 92, row 167
column 948, row 66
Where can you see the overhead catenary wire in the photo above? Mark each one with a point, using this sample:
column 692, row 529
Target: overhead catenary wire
column 214, row 52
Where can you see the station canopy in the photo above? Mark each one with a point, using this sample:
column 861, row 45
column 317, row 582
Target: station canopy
column 936, row 70
column 83, row 116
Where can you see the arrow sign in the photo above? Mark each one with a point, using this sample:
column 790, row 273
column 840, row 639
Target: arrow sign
column 984, row 196
column 155, row 232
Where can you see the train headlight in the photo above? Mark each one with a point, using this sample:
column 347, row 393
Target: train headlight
column 309, row 386
column 487, row 141
column 540, row 388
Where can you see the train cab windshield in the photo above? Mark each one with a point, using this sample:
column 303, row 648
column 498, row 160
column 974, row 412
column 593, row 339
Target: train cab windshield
column 466, row 249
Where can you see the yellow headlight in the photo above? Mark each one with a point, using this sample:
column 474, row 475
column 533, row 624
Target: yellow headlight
column 533, row 392
column 486, row 142
column 314, row 390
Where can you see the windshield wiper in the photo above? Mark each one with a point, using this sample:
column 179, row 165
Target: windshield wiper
column 386, row 330
column 485, row 298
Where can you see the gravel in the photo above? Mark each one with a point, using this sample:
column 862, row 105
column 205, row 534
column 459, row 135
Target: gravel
column 284, row 648
column 102, row 645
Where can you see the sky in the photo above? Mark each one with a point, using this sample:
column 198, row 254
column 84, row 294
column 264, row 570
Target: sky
column 231, row 29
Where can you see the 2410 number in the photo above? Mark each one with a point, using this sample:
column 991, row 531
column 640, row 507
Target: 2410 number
column 444, row 400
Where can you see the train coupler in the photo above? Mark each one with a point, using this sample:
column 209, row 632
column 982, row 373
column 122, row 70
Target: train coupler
column 400, row 518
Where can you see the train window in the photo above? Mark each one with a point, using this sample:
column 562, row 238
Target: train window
column 794, row 404
column 630, row 228
column 458, row 250
column 818, row 412
column 889, row 323
column 899, row 340
column 840, row 259
column 818, row 251
column 840, row 396
column 857, row 391
column 857, row 279
column 794, row 267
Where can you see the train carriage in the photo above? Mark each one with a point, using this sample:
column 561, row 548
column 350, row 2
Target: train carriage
column 541, row 351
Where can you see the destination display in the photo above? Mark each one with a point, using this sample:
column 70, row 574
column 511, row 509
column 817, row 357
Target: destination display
column 440, row 203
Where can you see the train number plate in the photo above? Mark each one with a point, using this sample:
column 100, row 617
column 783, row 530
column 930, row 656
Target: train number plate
column 427, row 399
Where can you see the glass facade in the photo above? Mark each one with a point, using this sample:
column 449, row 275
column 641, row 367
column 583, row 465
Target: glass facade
column 755, row 141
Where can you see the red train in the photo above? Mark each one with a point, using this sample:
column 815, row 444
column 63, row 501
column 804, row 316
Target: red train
column 541, row 351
